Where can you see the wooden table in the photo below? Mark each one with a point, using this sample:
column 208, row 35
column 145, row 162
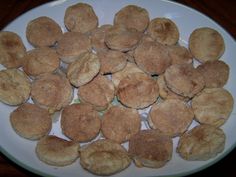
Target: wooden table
column 222, row 11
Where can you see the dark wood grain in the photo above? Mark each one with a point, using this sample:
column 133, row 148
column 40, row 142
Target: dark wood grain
column 222, row 11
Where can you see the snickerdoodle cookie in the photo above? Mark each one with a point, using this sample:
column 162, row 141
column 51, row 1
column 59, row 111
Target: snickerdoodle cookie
column 12, row 49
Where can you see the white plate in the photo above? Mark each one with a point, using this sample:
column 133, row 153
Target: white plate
column 22, row 151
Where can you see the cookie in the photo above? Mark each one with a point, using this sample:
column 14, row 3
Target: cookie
column 104, row 157
column 43, row 32
column 184, row 80
column 82, row 71
column 150, row 148
column 111, row 61
column 129, row 69
column 99, row 92
column 163, row 30
column 56, row 151
column 213, row 106
column 30, row 121
column 80, row 122
column 206, row 44
column 40, row 60
column 172, row 117
column 203, row 142
column 120, row 124
column 51, row 91
column 12, row 49
column 132, row 16
column 15, row 87
column 121, row 38
column 98, row 37
column 179, row 55
column 72, row 46
column 165, row 92
column 215, row 73
column 80, row 17
column 137, row 90
column 152, row 57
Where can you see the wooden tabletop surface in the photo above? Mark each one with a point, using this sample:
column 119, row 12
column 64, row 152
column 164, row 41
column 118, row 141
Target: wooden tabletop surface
column 222, row 11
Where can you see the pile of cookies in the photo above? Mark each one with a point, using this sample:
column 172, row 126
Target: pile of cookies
column 136, row 60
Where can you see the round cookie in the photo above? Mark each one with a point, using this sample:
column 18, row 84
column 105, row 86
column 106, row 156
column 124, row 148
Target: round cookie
column 72, row 46
column 165, row 92
column 179, row 55
column 152, row 57
column 121, row 38
column 40, row 60
column 120, row 124
column 82, row 71
column 150, row 148
column 104, row 157
column 163, row 30
column 111, row 61
column 15, row 86
column 132, row 16
column 129, row 69
column 172, row 117
column 51, row 91
column 213, row 106
column 43, row 32
column 201, row 143
column 98, row 37
column 137, row 90
column 80, row 18
column 206, row 44
column 12, row 50
column 99, row 92
column 215, row 73
column 55, row 151
column 80, row 122
column 184, row 80
column 30, row 121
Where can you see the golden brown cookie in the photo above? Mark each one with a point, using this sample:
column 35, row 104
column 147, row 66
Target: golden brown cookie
column 15, row 86
column 206, row 44
column 171, row 117
column 80, row 17
column 98, row 37
column 56, row 151
column 215, row 73
column 72, row 46
column 43, row 32
column 213, row 106
column 129, row 69
column 201, row 143
column 179, row 55
column 165, row 92
column 80, row 122
column 104, row 157
column 82, row 71
column 120, row 124
column 51, row 91
column 31, row 121
column 121, row 38
column 111, row 61
column 150, row 148
column 152, row 57
column 12, row 49
column 163, row 30
column 41, row 60
column 99, row 92
column 132, row 16
column 184, row 79
column 137, row 90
